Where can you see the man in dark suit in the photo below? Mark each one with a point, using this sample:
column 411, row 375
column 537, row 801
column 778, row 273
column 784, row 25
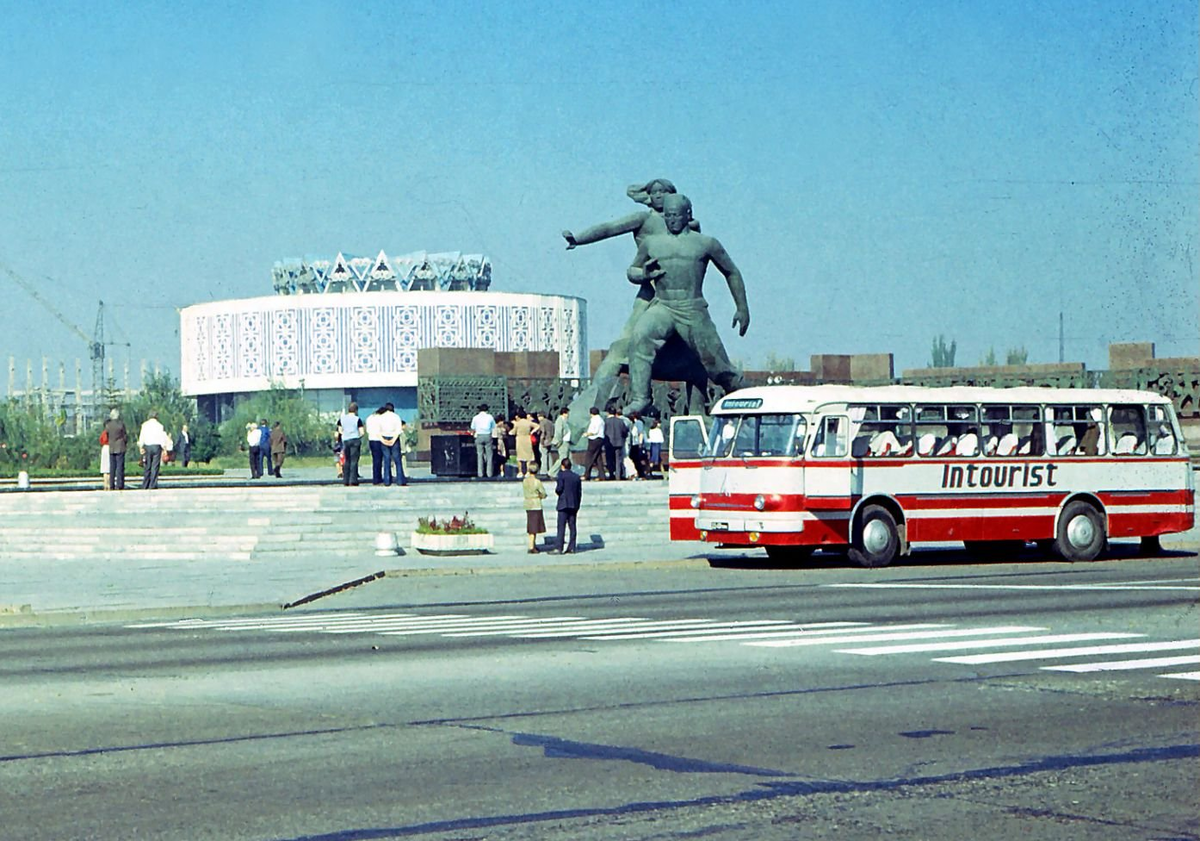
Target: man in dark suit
column 183, row 446
column 615, row 433
column 569, row 488
column 118, row 441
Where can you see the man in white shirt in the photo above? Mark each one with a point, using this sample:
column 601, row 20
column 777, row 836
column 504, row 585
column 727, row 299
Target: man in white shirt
column 253, row 445
column 390, row 430
column 595, row 444
column 375, row 442
column 481, row 427
column 151, row 441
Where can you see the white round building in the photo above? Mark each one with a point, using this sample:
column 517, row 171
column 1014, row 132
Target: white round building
column 350, row 329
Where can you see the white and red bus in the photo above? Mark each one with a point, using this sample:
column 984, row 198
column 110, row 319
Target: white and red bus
column 874, row 470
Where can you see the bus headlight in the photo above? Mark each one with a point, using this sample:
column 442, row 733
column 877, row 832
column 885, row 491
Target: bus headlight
column 695, row 503
column 760, row 502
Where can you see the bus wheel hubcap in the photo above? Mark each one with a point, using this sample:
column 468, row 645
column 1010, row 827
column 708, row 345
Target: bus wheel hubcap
column 876, row 537
column 1081, row 532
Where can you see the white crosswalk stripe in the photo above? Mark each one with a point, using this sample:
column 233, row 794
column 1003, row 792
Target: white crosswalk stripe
column 960, row 645
column 1123, row 665
column 909, row 635
column 1061, row 653
column 748, row 626
column 1026, row 642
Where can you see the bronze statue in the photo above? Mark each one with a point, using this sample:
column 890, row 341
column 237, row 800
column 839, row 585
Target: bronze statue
column 641, row 224
column 675, row 262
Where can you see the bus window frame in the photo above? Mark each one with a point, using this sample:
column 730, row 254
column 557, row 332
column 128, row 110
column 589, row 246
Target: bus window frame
column 741, row 423
column 841, row 420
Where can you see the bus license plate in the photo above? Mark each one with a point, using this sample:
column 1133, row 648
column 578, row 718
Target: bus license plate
column 719, row 527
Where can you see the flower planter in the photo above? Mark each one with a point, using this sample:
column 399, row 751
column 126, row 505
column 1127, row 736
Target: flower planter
column 451, row 544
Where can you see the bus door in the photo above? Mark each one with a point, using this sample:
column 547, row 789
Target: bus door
column 688, row 440
column 829, row 476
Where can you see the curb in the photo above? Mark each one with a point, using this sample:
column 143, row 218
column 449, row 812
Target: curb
column 66, row 617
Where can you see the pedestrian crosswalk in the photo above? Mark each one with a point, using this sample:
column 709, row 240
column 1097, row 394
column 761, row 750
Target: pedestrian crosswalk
column 1108, row 651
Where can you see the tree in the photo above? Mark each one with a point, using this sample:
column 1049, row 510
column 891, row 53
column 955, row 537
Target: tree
column 1016, row 356
column 307, row 432
column 774, row 362
column 31, row 439
column 990, row 359
column 943, row 354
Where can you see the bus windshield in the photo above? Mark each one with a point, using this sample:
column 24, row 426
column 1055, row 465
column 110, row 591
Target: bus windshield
column 757, row 436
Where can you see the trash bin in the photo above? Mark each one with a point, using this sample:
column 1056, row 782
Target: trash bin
column 452, row 455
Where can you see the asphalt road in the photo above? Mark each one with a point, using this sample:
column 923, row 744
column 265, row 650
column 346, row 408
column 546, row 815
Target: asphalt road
column 936, row 700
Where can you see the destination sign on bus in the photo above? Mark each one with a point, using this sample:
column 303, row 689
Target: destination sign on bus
column 732, row 403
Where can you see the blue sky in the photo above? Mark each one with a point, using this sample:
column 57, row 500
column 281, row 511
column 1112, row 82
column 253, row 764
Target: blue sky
column 881, row 172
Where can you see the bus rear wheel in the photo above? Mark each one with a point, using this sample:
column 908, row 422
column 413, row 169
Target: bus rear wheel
column 789, row 554
column 1081, row 534
column 877, row 542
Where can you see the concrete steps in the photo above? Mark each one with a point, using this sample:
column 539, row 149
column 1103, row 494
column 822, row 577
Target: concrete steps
column 262, row 523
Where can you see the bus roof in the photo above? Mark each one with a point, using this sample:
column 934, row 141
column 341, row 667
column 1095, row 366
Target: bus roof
column 807, row 398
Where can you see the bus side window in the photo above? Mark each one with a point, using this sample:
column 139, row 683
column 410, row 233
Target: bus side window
column 1160, row 434
column 830, row 440
column 1033, row 443
column 1128, row 429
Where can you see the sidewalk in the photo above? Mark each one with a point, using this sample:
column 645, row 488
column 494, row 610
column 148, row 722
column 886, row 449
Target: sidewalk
column 41, row 590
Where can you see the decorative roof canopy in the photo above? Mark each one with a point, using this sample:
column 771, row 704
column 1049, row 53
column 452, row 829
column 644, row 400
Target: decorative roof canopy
column 446, row 271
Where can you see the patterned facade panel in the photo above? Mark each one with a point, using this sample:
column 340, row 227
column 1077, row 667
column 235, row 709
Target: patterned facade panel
column 366, row 339
column 366, row 347
column 324, row 341
column 251, row 350
column 223, row 348
column 403, row 339
column 284, row 360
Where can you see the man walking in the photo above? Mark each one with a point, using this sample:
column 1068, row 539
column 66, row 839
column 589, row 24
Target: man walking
column 391, row 428
column 595, row 444
column 118, row 441
column 151, row 440
column 264, row 447
column 351, row 428
column 278, row 449
column 481, row 426
column 569, row 490
column 253, row 442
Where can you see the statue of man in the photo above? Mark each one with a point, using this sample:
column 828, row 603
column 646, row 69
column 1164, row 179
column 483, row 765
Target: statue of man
column 675, row 263
column 641, row 224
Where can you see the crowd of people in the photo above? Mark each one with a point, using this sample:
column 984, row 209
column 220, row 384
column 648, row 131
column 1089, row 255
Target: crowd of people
column 156, row 446
column 267, row 448
column 387, row 442
column 621, row 447
column 618, row 446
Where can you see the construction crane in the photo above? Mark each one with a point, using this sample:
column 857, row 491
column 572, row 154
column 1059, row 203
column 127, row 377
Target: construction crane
column 95, row 343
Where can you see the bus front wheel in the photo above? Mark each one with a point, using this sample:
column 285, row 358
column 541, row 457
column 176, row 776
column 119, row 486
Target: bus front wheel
column 877, row 542
column 1081, row 535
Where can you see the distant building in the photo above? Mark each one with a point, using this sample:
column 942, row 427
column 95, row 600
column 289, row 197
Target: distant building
column 350, row 328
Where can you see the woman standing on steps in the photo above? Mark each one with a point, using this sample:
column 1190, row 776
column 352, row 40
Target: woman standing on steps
column 534, row 492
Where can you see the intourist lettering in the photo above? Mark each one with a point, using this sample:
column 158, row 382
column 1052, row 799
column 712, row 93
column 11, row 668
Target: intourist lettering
column 998, row 475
